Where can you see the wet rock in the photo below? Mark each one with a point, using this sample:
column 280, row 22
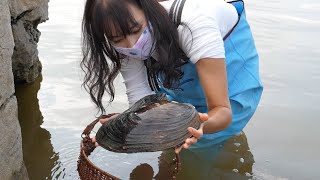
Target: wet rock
column 11, row 161
column 18, row 41
column 25, row 17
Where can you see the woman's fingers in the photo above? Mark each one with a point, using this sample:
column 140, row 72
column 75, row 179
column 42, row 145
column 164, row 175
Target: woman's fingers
column 203, row 116
column 186, row 144
column 94, row 141
column 177, row 149
column 191, row 141
column 195, row 133
column 104, row 120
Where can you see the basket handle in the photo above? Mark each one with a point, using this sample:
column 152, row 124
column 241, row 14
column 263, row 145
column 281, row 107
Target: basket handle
column 86, row 132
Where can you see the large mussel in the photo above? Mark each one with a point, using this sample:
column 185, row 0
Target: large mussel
column 152, row 124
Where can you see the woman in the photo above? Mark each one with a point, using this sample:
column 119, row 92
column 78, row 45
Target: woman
column 200, row 52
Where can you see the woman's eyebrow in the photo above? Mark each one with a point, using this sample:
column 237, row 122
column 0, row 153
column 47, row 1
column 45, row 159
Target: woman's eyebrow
column 136, row 25
column 116, row 36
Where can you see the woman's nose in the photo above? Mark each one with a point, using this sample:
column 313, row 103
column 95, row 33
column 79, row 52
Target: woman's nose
column 131, row 41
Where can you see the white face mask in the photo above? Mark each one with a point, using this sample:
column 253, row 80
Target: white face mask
column 141, row 49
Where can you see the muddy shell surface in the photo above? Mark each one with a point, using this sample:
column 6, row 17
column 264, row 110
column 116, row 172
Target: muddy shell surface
column 151, row 124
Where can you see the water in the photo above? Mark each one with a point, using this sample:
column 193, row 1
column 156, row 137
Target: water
column 280, row 142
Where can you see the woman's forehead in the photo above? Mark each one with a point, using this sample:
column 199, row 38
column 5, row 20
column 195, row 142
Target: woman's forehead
column 119, row 25
column 137, row 13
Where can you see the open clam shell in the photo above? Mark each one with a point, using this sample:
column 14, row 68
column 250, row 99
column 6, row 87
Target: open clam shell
column 151, row 124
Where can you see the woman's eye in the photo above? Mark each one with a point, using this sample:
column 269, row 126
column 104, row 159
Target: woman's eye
column 118, row 40
column 136, row 31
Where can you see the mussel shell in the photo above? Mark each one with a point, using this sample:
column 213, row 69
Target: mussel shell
column 151, row 124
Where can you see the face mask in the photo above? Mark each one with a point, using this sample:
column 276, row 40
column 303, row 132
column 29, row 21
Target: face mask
column 141, row 50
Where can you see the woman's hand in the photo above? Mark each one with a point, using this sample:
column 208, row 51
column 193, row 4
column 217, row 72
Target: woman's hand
column 102, row 121
column 196, row 133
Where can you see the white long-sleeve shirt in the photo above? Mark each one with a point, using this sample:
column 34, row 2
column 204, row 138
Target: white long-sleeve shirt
column 208, row 20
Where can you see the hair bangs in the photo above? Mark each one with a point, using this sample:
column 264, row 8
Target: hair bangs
column 109, row 19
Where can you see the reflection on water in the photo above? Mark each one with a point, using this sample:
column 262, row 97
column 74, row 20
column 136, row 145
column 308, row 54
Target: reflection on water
column 229, row 160
column 38, row 153
column 143, row 172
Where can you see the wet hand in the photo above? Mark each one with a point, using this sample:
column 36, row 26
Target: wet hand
column 102, row 121
column 196, row 133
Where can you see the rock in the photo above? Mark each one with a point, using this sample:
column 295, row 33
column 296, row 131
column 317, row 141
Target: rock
column 26, row 66
column 6, row 49
column 31, row 10
column 11, row 161
column 25, row 17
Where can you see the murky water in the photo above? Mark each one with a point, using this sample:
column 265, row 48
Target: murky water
column 280, row 142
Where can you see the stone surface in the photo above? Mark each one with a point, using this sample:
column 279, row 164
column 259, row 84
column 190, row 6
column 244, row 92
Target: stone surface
column 25, row 17
column 11, row 161
column 25, row 62
column 31, row 10
column 6, row 48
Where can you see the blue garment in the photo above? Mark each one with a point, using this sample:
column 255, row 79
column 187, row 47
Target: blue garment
column 244, row 85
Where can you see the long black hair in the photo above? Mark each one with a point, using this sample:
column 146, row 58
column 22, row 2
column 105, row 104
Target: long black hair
column 101, row 63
